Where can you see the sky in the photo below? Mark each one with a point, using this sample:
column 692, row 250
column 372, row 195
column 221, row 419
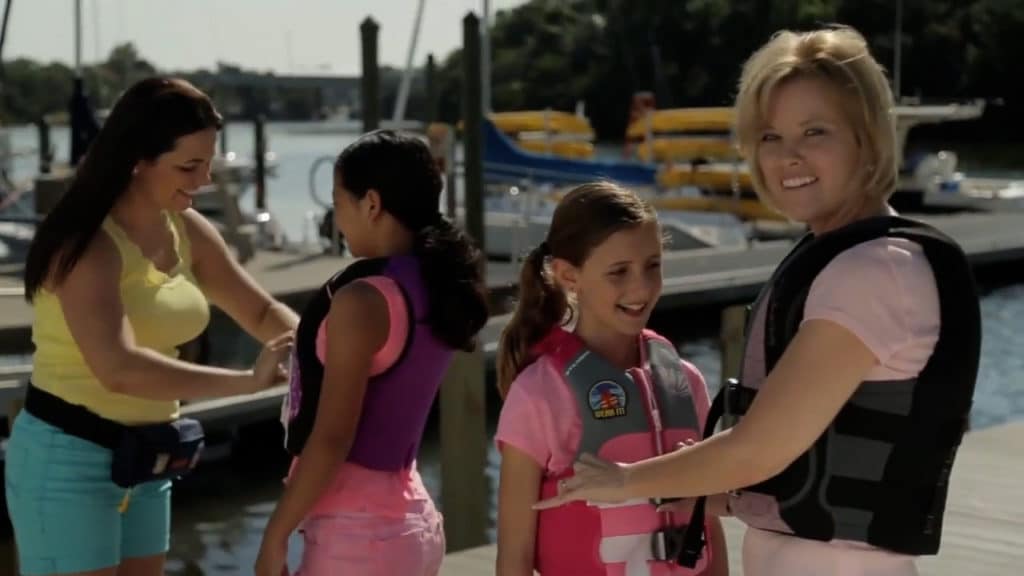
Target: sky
column 283, row 36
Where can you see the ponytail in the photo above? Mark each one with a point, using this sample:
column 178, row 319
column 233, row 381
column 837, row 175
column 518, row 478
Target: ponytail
column 450, row 264
column 541, row 306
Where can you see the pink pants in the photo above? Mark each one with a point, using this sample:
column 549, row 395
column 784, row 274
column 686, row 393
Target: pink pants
column 372, row 523
column 344, row 544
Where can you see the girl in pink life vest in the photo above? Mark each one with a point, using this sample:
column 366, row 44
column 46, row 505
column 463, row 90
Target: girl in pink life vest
column 371, row 349
column 606, row 385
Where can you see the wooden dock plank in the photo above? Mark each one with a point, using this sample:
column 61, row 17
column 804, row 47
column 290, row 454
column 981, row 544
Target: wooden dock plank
column 984, row 524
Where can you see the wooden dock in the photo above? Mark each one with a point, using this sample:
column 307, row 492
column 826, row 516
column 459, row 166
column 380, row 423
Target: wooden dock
column 693, row 278
column 701, row 277
column 984, row 523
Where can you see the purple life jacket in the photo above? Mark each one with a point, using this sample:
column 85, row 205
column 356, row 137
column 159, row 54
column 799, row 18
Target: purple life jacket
column 398, row 400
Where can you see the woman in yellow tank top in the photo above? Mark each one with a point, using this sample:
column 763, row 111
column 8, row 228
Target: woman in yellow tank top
column 120, row 274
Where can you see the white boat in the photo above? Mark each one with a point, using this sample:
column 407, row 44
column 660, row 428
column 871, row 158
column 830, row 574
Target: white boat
column 517, row 222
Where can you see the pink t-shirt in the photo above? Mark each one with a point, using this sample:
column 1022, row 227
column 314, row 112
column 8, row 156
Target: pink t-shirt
column 540, row 417
column 884, row 292
column 398, row 326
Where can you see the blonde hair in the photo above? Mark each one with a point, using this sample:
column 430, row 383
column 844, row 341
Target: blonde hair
column 583, row 219
column 840, row 57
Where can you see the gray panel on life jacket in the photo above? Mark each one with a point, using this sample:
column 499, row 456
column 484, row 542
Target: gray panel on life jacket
column 890, row 396
column 850, row 523
column 610, row 403
column 857, row 457
column 672, row 389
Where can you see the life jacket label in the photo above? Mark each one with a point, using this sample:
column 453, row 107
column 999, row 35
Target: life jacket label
column 607, row 400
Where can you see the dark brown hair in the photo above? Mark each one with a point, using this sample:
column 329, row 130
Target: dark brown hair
column 146, row 121
column 403, row 172
column 585, row 218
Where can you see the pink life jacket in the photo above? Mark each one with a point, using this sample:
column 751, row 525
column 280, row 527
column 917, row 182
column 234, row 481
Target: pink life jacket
column 626, row 416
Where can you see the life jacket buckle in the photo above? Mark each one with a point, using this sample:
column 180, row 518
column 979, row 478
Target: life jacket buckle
column 669, row 545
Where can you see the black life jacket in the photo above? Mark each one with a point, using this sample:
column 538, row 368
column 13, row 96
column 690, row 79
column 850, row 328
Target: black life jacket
column 879, row 473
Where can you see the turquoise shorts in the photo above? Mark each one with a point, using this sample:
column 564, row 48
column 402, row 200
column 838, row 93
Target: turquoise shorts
column 64, row 507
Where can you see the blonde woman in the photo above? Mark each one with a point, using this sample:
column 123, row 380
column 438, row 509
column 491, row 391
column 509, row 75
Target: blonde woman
column 859, row 367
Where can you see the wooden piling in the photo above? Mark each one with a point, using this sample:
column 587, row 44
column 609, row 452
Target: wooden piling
column 464, row 499
column 370, row 82
column 432, row 97
column 472, row 121
column 731, row 335
column 260, row 155
column 45, row 149
column 224, row 140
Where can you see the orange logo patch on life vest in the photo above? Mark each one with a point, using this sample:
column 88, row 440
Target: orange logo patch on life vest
column 607, row 400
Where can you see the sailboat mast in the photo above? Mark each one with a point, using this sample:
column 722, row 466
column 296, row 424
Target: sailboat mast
column 403, row 88
column 485, row 57
column 897, row 50
column 78, row 38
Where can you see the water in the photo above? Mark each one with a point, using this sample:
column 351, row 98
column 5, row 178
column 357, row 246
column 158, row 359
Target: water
column 220, row 513
column 288, row 195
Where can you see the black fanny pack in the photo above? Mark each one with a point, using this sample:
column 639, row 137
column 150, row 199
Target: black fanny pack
column 140, row 453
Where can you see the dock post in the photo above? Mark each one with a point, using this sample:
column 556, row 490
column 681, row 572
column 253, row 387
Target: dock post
column 260, row 155
column 224, row 139
column 472, row 121
column 430, row 77
column 45, row 150
column 370, row 82
column 734, row 320
column 449, row 176
column 464, row 500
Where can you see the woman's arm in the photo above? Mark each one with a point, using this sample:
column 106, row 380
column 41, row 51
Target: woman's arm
column 819, row 371
column 228, row 286
column 90, row 299
column 517, row 521
column 357, row 327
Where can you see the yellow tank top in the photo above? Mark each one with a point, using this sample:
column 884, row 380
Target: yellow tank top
column 165, row 310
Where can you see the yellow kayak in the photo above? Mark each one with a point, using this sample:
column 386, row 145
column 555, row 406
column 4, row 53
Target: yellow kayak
column 712, row 119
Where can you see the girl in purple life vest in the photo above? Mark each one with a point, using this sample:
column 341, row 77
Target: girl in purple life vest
column 371, row 350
